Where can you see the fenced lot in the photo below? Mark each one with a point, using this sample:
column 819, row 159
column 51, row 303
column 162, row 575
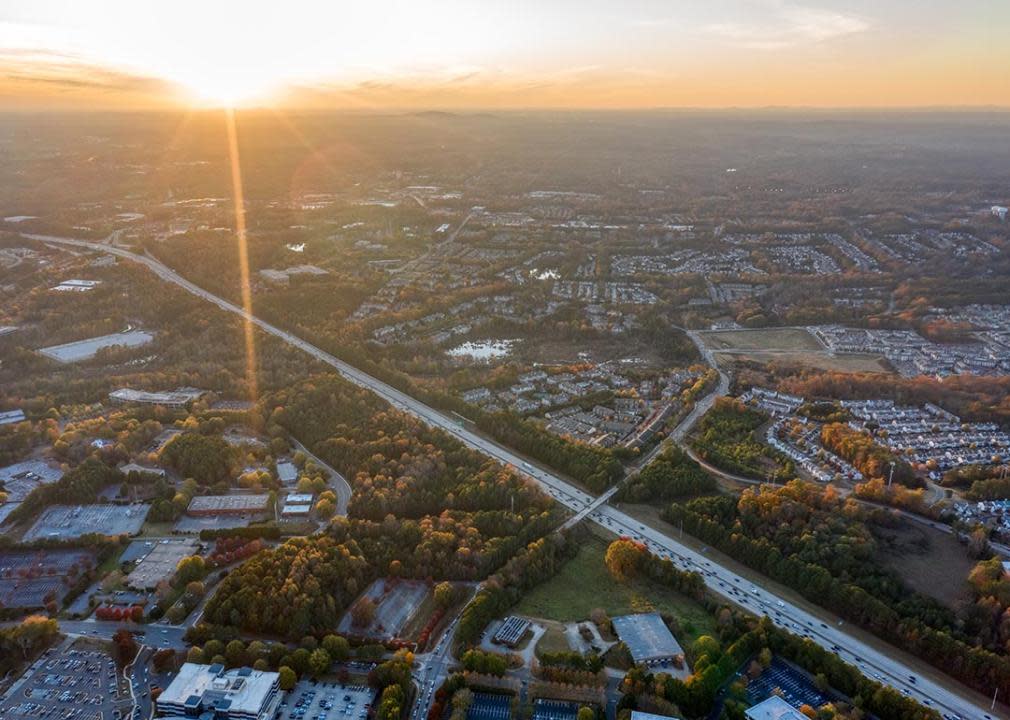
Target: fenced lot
column 489, row 706
column 71, row 521
column 29, row 578
column 395, row 603
column 797, row 689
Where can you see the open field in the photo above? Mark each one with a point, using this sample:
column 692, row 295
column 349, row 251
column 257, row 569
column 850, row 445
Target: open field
column 763, row 339
column 821, row 360
column 585, row 583
column 930, row 561
column 788, row 346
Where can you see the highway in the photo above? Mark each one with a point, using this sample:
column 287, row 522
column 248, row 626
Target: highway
column 719, row 580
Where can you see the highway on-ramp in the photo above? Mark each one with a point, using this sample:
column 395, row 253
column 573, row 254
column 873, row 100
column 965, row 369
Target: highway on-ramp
column 834, row 636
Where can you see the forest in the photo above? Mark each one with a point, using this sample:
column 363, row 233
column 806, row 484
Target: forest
column 671, row 475
column 726, row 437
column 818, row 544
column 424, row 506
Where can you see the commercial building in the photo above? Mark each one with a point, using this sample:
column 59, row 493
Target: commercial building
column 774, row 708
column 228, row 504
column 648, row 638
column 170, row 398
column 9, row 417
column 297, row 505
column 512, row 631
column 239, row 694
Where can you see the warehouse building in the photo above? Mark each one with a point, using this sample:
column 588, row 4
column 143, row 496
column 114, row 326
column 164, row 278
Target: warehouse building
column 297, row 505
column 212, row 691
column 648, row 638
column 210, row 505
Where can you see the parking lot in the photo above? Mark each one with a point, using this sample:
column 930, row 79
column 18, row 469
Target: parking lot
column 29, row 578
column 395, row 603
column 796, row 688
column 488, row 706
column 79, row 683
column 72, row 521
column 554, row 710
column 326, row 701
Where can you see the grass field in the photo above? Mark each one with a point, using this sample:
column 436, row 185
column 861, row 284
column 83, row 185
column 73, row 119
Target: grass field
column 766, row 339
column 585, row 583
column 820, row 360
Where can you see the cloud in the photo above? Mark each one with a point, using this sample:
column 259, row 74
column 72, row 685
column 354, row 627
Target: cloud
column 785, row 24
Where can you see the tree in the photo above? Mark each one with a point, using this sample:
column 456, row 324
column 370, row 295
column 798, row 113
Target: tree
column 125, row 646
column 235, row 653
column 444, row 594
column 623, row 558
column 363, row 612
column 287, row 678
column 585, row 713
column 319, row 662
column 337, row 647
column 188, row 569
column 195, row 655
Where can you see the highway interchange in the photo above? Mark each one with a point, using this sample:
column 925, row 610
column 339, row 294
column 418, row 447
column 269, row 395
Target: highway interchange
column 720, row 580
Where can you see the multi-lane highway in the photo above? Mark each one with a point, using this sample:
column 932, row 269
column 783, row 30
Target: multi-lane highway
column 947, row 698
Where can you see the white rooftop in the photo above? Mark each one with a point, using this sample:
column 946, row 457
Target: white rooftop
column 241, row 691
column 774, row 708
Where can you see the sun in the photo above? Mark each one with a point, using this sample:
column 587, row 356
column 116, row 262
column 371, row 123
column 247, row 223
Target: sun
column 227, row 89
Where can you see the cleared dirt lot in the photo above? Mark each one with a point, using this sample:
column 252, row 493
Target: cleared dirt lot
column 930, row 561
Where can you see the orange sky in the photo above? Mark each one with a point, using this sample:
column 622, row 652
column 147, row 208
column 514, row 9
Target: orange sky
column 504, row 53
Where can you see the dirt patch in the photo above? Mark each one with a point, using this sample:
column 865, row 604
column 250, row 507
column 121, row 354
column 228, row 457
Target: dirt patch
column 930, row 561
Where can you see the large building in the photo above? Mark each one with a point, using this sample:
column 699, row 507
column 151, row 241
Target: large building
column 228, row 504
column 648, row 638
column 10, row 417
column 210, row 690
column 774, row 708
column 169, row 398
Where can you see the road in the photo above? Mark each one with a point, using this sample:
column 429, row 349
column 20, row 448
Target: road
column 432, row 670
column 155, row 635
column 338, row 483
column 719, row 580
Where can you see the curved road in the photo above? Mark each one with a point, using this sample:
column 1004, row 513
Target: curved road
column 948, row 699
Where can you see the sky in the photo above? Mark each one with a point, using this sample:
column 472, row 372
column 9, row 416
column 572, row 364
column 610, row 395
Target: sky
column 504, row 53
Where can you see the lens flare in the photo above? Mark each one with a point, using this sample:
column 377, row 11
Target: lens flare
column 243, row 253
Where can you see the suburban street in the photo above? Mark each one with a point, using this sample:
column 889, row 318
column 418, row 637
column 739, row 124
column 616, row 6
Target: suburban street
column 948, row 698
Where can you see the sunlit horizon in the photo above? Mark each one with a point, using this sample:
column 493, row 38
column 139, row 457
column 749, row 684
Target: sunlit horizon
column 495, row 54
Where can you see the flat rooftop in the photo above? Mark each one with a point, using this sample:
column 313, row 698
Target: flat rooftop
column 228, row 503
column 774, row 708
column 241, row 691
column 647, row 637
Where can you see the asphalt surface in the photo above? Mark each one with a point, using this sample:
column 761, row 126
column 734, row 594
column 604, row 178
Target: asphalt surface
column 720, row 580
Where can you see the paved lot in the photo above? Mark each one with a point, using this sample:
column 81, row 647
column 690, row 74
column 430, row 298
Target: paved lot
column 326, row 701
column 796, row 688
column 160, row 562
column 71, row 521
column 395, row 604
column 28, row 578
column 488, row 706
column 79, row 683
column 554, row 710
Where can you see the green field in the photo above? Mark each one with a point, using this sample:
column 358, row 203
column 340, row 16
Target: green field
column 585, row 583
